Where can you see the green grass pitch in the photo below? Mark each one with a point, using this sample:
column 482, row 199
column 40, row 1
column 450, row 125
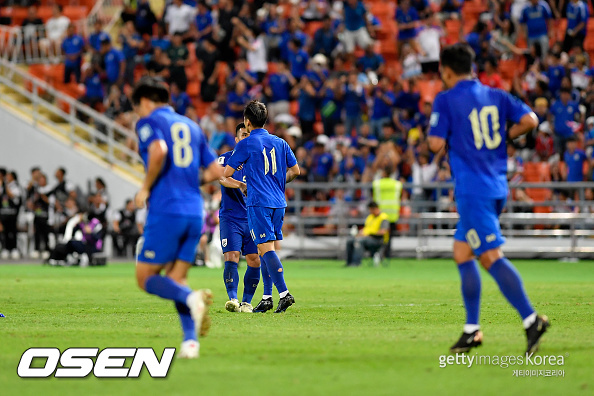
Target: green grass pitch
column 353, row 331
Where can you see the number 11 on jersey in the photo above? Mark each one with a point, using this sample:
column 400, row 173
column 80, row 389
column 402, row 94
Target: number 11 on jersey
column 272, row 160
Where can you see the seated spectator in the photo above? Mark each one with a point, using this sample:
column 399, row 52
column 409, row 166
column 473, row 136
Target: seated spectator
column 180, row 101
column 131, row 43
column 490, row 76
column 55, row 30
column 408, row 21
column 421, row 120
column 144, row 18
column 535, row 20
column 31, row 25
column 325, row 40
column 351, row 167
column 178, row 60
column 575, row 159
column 208, row 55
column 429, row 43
column 355, row 26
column 72, row 46
column 322, row 163
column 278, row 91
column 589, row 136
column 370, row 61
column 515, row 164
column 94, row 93
column 90, row 243
column 118, row 107
column 236, row 101
column 580, row 78
column 556, row 174
column 411, row 67
column 371, row 238
column 577, row 23
column 298, row 59
column 545, row 145
column 113, row 63
column 563, row 112
column 161, row 41
column 178, row 18
column 125, row 229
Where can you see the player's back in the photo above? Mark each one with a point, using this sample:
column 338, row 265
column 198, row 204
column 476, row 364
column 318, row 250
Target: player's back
column 266, row 168
column 232, row 200
column 177, row 190
column 472, row 118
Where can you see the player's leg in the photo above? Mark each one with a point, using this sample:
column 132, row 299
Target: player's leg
column 470, row 285
column 231, row 278
column 231, row 242
column 266, row 303
column 252, row 272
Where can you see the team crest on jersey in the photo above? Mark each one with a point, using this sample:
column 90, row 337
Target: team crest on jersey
column 224, row 242
column 434, row 119
column 221, row 160
column 145, row 132
column 149, row 254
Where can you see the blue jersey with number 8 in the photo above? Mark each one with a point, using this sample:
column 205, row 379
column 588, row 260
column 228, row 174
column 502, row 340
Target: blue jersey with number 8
column 472, row 118
column 177, row 189
column 266, row 159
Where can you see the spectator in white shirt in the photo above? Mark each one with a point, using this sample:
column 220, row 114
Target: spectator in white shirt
column 179, row 17
column 429, row 39
column 253, row 40
column 55, row 30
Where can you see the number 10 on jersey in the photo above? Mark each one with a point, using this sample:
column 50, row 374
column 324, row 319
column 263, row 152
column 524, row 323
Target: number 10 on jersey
column 267, row 163
column 479, row 121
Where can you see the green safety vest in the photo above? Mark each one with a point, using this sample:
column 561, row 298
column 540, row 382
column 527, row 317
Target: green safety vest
column 387, row 192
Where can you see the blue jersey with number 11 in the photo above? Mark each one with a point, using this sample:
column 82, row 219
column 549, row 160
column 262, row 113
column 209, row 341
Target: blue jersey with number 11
column 177, row 189
column 266, row 159
column 472, row 118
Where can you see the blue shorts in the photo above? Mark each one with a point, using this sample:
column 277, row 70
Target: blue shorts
column 479, row 222
column 266, row 224
column 235, row 236
column 170, row 237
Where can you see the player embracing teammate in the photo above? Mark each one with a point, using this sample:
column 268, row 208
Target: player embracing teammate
column 268, row 164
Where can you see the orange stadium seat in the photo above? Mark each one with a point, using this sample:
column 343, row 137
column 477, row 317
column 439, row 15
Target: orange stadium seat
column 44, row 13
column 312, row 27
column 76, row 13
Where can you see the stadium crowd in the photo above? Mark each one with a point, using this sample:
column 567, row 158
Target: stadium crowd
column 349, row 104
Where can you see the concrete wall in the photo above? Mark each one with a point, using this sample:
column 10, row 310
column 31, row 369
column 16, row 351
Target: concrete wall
column 22, row 146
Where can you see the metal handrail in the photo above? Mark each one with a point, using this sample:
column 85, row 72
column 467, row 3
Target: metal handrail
column 114, row 130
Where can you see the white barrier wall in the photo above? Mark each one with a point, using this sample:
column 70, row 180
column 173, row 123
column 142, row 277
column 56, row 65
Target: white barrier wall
column 22, row 146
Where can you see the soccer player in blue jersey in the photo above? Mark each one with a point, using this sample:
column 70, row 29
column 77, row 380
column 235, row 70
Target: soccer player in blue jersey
column 236, row 238
column 173, row 149
column 269, row 164
column 469, row 119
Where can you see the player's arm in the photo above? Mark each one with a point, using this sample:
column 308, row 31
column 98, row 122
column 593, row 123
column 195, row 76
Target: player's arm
column 212, row 172
column 293, row 172
column 157, row 153
column 439, row 125
column 527, row 123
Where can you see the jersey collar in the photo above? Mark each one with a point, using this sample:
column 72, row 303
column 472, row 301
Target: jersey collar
column 258, row 131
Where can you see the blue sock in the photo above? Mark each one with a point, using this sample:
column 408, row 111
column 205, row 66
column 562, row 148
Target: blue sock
column 187, row 323
column 510, row 284
column 250, row 283
column 471, row 290
column 231, row 277
column 266, row 279
column 166, row 288
column 275, row 270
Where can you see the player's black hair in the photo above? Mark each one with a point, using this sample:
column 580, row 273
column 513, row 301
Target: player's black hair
column 100, row 181
column 2, row 172
column 458, row 57
column 151, row 88
column 239, row 127
column 35, row 169
column 14, row 176
column 256, row 112
column 63, row 170
column 372, row 205
column 128, row 201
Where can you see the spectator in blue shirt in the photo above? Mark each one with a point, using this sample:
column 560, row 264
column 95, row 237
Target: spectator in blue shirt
column 555, row 73
column 278, row 90
column 537, row 19
column 355, row 26
column 589, row 136
column 292, row 31
column 422, row 7
column 577, row 23
column 330, row 105
column 161, row 41
column 203, row 22
column 298, row 59
column 408, row 20
column 94, row 93
column 325, row 40
column 574, row 159
column 131, row 42
column 97, row 36
column 351, row 167
column 180, row 101
column 307, row 98
column 72, row 46
column 564, row 112
column 383, row 100
column 371, row 61
column 236, row 101
column 322, row 163
column 354, row 101
column 113, row 63
column 144, row 18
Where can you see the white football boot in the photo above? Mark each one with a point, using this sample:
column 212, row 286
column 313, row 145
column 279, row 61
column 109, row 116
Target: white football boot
column 199, row 302
column 232, row 305
column 189, row 350
column 246, row 307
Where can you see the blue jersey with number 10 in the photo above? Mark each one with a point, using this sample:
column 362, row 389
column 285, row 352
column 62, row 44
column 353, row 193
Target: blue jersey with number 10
column 472, row 118
column 266, row 159
column 177, row 189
